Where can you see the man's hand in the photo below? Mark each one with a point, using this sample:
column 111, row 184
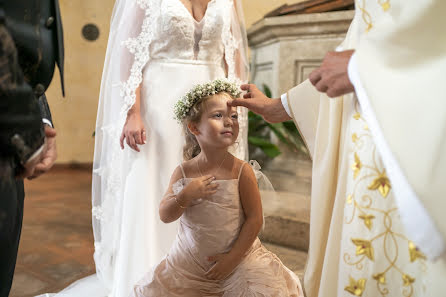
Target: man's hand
column 332, row 76
column 49, row 154
column 271, row 110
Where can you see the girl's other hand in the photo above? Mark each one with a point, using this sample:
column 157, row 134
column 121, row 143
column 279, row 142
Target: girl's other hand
column 200, row 187
column 133, row 131
column 224, row 265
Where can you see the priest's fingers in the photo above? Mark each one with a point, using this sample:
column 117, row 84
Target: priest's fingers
column 321, row 86
column 246, row 87
column 240, row 102
column 315, row 76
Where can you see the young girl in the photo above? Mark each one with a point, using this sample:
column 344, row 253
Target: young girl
column 215, row 196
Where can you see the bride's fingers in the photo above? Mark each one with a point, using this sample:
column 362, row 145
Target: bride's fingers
column 121, row 140
column 143, row 136
column 131, row 142
column 137, row 137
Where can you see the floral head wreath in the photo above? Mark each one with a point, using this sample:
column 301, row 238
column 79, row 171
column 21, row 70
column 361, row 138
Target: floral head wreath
column 184, row 105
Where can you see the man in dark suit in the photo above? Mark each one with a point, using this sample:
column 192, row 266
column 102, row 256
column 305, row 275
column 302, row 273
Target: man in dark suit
column 31, row 43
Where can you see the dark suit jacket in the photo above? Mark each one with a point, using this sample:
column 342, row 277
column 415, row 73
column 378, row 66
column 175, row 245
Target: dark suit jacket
column 36, row 30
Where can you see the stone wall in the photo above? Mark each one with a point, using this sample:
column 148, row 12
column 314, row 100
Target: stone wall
column 285, row 49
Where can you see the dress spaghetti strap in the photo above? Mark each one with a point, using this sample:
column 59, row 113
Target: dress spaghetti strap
column 182, row 170
column 241, row 169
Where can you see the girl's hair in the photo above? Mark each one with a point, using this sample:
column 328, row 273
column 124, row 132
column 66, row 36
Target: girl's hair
column 191, row 149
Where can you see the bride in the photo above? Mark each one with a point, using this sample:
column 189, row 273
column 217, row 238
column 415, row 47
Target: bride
column 157, row 50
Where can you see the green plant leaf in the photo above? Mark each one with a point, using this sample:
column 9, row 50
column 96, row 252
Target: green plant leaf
column 267, row 91
column 270, row 149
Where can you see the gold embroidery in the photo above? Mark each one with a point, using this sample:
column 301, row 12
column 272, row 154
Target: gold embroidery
column 385, row 5
column 415, row 253
column 364, row 247
column 349, row 199
column 381, row 183
column 380, row 277
column 386, row 245
column 356, row 166
column 367, row 220
column 356, row 287
column 407, row 280
column 366, row 17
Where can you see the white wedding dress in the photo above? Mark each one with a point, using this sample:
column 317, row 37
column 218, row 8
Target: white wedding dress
column 173, row 52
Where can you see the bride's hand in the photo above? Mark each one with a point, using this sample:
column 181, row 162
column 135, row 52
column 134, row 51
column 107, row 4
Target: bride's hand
column 200, row 187
column 133, row 131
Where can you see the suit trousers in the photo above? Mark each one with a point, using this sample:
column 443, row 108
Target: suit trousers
column 11, row 216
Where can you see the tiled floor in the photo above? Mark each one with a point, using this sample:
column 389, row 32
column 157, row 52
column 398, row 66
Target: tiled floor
column 56, row 246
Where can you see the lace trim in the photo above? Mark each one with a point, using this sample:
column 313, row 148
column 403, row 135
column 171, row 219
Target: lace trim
column 105, row 212
column 139, row 47
column 231, row 45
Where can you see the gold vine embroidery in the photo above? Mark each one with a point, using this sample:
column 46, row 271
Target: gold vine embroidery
column 366, row 17
column 362, row 204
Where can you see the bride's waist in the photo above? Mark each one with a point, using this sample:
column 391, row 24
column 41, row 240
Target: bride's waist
column 185, row 61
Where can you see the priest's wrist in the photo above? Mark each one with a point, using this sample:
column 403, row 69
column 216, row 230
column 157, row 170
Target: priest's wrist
column 276, row 113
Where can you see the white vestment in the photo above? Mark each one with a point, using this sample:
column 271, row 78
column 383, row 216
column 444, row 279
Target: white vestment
column 359, row 239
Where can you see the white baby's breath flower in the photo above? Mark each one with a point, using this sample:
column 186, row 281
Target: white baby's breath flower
column 184, row 105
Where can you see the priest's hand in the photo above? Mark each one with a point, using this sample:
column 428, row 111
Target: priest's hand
column 332, row 76
column 271, row 110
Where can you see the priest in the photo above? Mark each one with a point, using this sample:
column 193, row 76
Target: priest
column 373, row 117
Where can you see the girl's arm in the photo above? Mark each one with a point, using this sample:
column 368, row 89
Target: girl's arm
column 172, row 206
column 252, row 207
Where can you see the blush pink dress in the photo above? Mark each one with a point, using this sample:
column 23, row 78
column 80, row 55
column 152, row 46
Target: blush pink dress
column 209, row 227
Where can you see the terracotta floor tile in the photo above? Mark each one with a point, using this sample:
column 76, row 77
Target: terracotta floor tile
column 56, row 246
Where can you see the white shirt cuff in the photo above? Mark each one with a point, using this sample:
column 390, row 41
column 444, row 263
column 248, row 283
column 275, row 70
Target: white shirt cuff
column 35, row 155
column 46, row 121
column 284, row 99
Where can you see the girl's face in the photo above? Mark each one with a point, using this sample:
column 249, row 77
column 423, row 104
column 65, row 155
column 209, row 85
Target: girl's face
column 218, row 126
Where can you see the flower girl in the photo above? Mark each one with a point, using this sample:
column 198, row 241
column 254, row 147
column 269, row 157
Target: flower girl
column 216, row 197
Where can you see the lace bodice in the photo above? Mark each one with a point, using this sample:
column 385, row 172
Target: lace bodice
column 187, row 39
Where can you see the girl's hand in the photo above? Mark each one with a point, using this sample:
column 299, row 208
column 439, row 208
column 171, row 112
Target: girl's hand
column 133, row 131
column 224, row 265
column 200, row 187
